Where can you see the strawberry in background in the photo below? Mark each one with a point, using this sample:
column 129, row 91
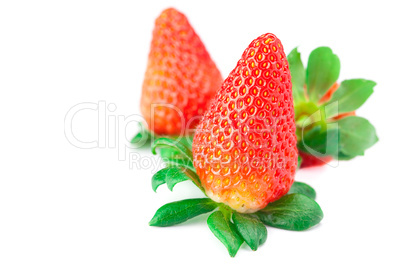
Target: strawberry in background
column 327, row 127
column 180, row 79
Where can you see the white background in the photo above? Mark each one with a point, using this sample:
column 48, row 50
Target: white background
column 62, row 206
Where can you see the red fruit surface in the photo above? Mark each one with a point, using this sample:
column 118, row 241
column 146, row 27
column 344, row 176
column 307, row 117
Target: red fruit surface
column 181, row 78
column 313, row 161
column 244, row 149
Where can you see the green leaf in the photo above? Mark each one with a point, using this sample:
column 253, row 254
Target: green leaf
column 174, row 158
column 167, row 153
column 350, row 95
column 298, row 75
column 225, row 231
column 356, row 135
column 186, row 140
column 322, row 72
column 143, row 136
column 251, row 229
column 295, row 212
column 139, row 137
column 159, row 178
column 171, row 152
column 174, row 176
column 181, row 211
column 302, row 188
column 321, row 142
column 180, row 162
column 174, row 144
column 169, row 175
column 345, row 157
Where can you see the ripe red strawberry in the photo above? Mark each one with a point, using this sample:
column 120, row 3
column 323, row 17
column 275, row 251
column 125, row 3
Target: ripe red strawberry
column 244, row 148
column 181, row 77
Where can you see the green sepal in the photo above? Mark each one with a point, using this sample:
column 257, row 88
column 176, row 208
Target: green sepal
column 350, row 95
column 302, row 188
column 159, row 178
column 295, row 212
column 307, row 116
column 252, row 230
column 171, row 157
column 322, row 72
column 226, row 211
column 167, row 153
column 182, row 149
column 140, row 136
column 183, row 153
column 181, row 211
column 298, row 74
column 169, row 175
column 342, row 139
column 225, row 231
column 179, row 162
column 144, row 136
column 321, row 141
column 174, row 174
column 345, row 157
column 186, row 140
column 357, row 134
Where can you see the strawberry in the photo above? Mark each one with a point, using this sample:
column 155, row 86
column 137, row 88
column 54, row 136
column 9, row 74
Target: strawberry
column 325, row 110
column 244, row 149
column 180, row 79
column 243, row 157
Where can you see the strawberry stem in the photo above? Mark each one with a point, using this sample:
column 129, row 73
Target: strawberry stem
column 226, row 211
